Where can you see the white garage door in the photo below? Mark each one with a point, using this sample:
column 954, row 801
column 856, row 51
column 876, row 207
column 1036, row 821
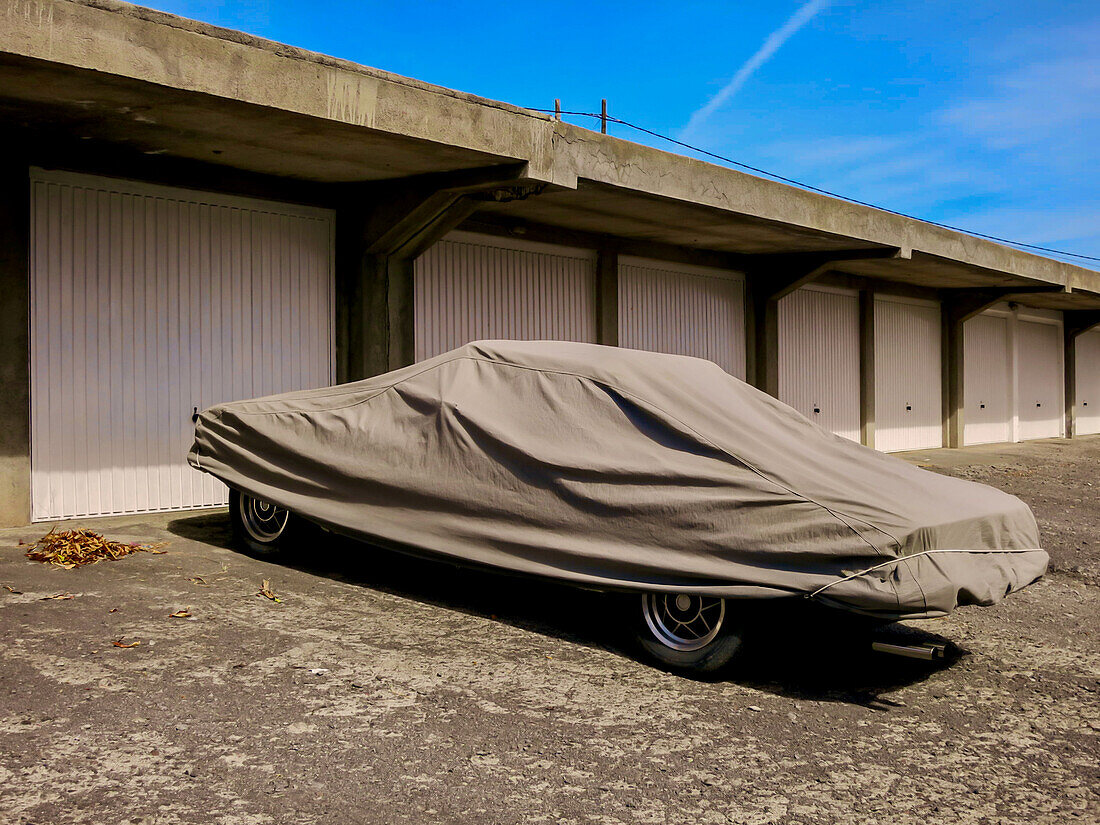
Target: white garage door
column 147, row 302
column 683, row 310
column 471, row 287
column 987, row 370
column 1041, row 412
column 1088, row 383
column 819, row 357
column 907, row 374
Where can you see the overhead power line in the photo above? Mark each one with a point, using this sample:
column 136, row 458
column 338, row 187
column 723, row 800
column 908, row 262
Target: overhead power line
column 604, row 117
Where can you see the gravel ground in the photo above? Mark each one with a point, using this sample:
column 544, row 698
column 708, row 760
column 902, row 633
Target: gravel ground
column 386, row 689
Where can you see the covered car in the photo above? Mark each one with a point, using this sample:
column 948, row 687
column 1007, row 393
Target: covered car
column 619, row 469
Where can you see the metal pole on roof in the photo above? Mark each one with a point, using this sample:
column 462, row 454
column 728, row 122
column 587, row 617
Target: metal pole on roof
column 603, row 116
column 557, row 108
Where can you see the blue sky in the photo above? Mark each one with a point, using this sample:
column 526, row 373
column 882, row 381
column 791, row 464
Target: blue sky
column 981, row 114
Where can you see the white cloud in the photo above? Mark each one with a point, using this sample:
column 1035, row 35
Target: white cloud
column 771, row 45
column 1032, row 104
column 908, row 172
column 834, row 150
column 1046, row 226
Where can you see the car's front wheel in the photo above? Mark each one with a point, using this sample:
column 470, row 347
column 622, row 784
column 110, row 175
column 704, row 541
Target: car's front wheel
column 689, row 633
column 259, row 526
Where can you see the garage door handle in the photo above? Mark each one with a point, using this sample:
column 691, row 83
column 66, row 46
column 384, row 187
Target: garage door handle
column 194, row 415
column 817, row 409
column 908, row 407
column 981, row 406
column 1038, row 404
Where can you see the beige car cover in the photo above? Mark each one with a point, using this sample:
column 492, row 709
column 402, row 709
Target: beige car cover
column 616, row 468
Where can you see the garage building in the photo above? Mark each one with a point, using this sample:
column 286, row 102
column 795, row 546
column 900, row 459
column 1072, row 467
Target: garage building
column 248, row 218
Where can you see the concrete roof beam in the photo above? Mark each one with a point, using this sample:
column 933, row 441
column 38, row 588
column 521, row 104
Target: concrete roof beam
column 775, row 276
column 153, row 83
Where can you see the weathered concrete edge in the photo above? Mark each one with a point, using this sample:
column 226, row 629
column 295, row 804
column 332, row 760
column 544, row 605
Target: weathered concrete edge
column 140, row 44
column 128, row 42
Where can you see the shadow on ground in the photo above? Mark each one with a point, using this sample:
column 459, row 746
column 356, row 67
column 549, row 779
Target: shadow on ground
column 797, row 650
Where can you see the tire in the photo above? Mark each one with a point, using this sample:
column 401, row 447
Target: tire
column 261, row 529
column 694, row 635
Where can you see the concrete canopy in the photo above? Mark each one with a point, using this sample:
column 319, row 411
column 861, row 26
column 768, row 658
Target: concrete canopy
column 143, row 83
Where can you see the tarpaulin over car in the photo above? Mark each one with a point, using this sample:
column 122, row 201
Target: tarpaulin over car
column 617, row 468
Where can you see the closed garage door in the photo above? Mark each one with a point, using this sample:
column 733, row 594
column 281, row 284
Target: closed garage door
column 147, row 302
column 1041, row 413
column 907, row 375
column 684, row 311
column 1088, row 383
column 819, row 357
column 472, row 287
column 987, row 367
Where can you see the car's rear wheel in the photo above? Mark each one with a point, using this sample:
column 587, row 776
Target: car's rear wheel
column 261, row 527
column 689, row 633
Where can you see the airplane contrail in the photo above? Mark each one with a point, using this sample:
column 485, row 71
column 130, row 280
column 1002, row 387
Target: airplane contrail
column 770, row 46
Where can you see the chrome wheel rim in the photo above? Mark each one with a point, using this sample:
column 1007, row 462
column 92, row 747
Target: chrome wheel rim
column 263, row 521
column 682, row 621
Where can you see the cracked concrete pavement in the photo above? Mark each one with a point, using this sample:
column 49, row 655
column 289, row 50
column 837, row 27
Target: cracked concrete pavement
column 389, row 689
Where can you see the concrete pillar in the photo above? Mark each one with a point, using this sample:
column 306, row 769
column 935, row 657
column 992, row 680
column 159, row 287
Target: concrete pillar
column 15, row 444
column 765, row 340
column 375, row 325
column 951, row 355
column 362, row 309
column 1069, row 373
column 867, row 366
column 400, row 311
column 607, row 297
column 1074, row 322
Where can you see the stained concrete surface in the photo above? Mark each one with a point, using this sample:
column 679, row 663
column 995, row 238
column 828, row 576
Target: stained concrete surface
column 388, row 689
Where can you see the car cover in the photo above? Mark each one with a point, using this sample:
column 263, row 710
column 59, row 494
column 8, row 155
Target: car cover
column 616, row 468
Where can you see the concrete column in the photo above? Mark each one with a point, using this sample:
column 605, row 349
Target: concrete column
column 1074, row 322
column 362, row 308
column 958, row 306
column 375, row 330
column 1069, row 372
column 400, row 312
column 15, row 444
column 375, row 324
column 867, row 366
column 764, row 328
column 951, row 355
column 607, row 297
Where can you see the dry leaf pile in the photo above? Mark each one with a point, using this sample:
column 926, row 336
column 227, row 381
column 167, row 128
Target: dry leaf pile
column 75, row 548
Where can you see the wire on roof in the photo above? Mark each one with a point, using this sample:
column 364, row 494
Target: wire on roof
column 812, row 188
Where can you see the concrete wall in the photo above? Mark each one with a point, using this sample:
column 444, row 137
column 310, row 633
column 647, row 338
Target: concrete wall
column 15, row 443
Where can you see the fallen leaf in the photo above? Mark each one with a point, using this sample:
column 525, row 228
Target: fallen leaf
column 267, row 592
column 59, row 596
column 754, row 708
column 179, row 614
column 119, row 643
column 113, row 610
column 199, row 580
column 11, row 589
